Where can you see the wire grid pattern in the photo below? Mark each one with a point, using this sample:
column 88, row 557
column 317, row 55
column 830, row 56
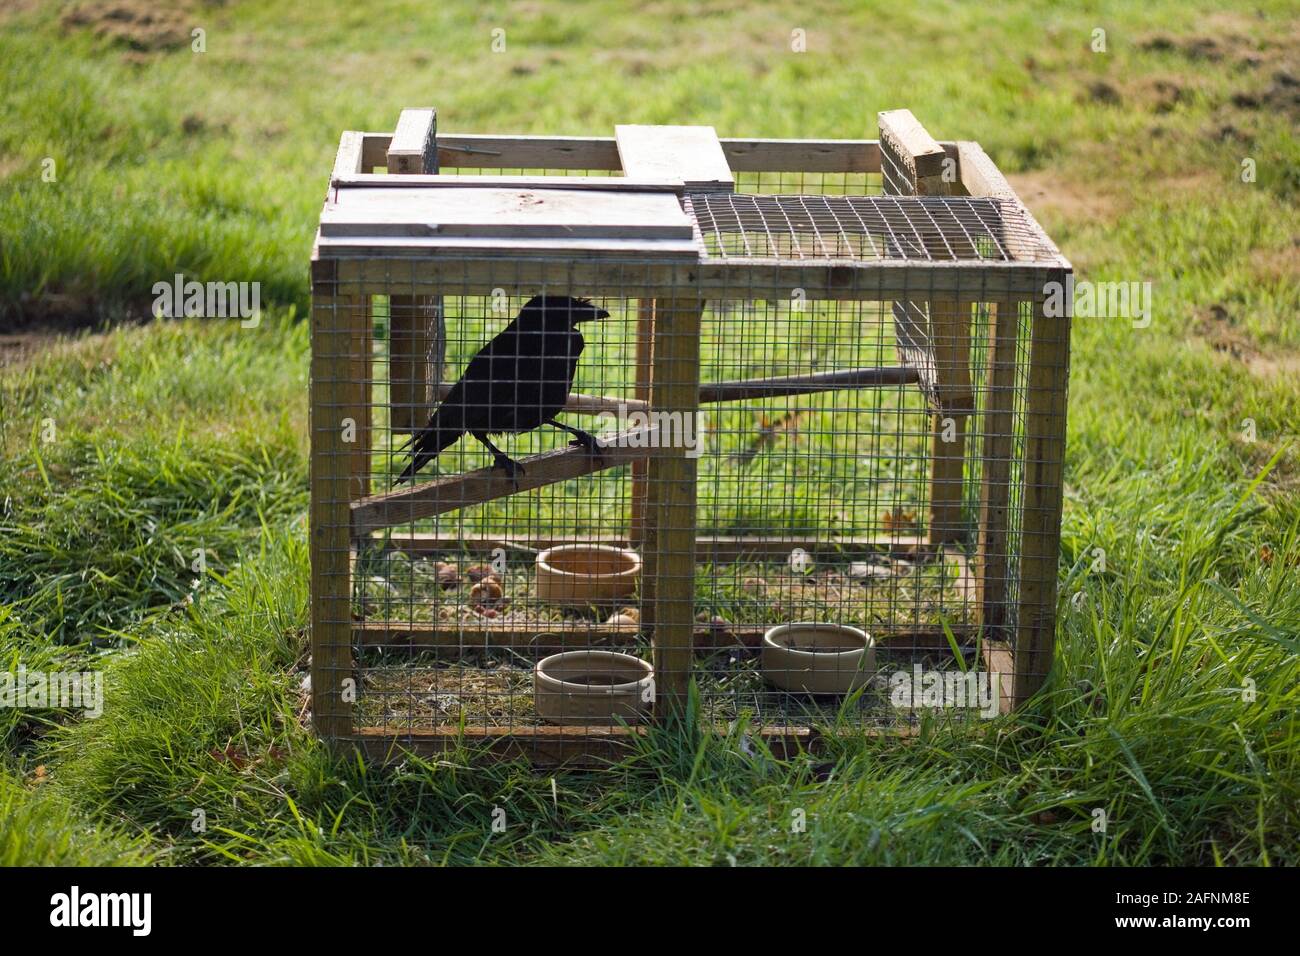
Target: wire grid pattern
column 858, row 228
column 812, row 499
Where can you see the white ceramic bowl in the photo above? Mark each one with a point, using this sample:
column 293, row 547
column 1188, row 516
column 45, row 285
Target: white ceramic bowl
column 586, row 574
column 818, row 658
column 596, row 688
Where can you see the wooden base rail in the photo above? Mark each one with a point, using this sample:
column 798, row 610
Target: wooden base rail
column 542, row 636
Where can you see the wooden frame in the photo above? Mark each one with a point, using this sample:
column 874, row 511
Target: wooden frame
column 672, row 283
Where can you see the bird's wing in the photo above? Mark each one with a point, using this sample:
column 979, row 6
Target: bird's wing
column 489, row 387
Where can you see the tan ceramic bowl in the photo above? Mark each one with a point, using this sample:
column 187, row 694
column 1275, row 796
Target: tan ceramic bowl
column 586, row 574
column 814, row 658
column 596, row 688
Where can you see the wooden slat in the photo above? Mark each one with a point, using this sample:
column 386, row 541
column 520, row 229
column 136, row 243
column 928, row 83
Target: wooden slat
column 476, row 255
column 993, row 571
column 950, row 344
column 981, row 177
column 675, row 390
column 454, row 492
column 708, row 547
column 1045, row 406
column 802, row 155
column 347, row 162
column 1000, row 662
column 905, row 140
column 933, row 336
column 546, row 637
column 417, row 339
column 690, row 155
column 593, row 267
column 447, row 180
column 745, row 154
column 332, row 339
column 417, row 345
column 502, row 214
column 645, row 322
column 540, row 636
column 412, row 148
column 360, row 389
column 947, row 478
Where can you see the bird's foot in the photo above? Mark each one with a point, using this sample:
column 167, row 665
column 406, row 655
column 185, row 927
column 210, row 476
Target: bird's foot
column 511, row 467
column 589, row 442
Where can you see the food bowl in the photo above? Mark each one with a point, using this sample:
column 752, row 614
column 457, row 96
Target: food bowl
column 593, row 687
column 818, row 658
column 586, row 574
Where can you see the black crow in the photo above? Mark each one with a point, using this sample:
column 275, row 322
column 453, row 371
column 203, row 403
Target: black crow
column 517, row 382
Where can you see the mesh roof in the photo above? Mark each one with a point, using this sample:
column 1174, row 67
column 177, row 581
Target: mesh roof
column 864, row 228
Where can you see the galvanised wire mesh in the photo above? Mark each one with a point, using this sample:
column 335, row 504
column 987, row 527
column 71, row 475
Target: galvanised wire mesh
column 820, row 464
column 857, row 228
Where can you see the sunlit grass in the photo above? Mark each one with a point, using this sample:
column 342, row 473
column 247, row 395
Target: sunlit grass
column 1172, row 710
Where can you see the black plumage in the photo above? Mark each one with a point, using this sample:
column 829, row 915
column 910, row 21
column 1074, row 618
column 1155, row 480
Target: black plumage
column 517, row 382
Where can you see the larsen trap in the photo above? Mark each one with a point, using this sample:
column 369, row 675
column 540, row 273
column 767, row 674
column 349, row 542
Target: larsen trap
column 597, row 419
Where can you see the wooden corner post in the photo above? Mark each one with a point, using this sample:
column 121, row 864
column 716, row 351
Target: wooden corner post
column 334, row 415
column 933, row 335
column 671, row 475
column 416, row 334
column 641, row 505
column 1045, row 408
column 992, row 573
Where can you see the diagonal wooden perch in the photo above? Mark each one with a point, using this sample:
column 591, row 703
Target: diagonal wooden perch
column 486, row 484
column 458, row 491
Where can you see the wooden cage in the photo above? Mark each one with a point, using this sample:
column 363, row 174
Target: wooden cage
column 747, row 281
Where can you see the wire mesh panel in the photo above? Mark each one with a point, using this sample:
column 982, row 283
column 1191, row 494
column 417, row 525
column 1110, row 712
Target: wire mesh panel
column 809, row 466
column 805, row 227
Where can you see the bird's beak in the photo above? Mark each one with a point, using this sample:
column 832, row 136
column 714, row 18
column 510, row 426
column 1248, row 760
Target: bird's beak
column 595, row 313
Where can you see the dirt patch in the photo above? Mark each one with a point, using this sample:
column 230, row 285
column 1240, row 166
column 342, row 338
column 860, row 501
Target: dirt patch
column 1209, row 49
column 1052, row 198
column 144, row 27
column 10, row 165
column 1281, row 95
column 1164, row 94
column 1216, row 325
column 17, row 8
column 1230, row 39
column 17, row 349
column 37, row 324
column 1274, row 266
column 1099, row 91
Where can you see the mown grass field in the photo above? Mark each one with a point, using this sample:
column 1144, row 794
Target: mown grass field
column 1173, row 702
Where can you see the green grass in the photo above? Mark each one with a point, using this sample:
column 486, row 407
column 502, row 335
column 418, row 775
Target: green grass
column 1177, row 673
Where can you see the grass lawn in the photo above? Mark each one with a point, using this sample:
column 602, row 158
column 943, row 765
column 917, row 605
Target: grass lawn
column 1171, row 157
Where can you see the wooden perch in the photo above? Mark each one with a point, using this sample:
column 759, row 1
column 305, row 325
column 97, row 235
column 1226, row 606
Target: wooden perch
column 487, row 484
column 580, row 404
column 459, row 491
column 806, row 384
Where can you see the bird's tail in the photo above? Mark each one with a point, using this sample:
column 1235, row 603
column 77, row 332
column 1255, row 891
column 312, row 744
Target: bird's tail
column 430, row 442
